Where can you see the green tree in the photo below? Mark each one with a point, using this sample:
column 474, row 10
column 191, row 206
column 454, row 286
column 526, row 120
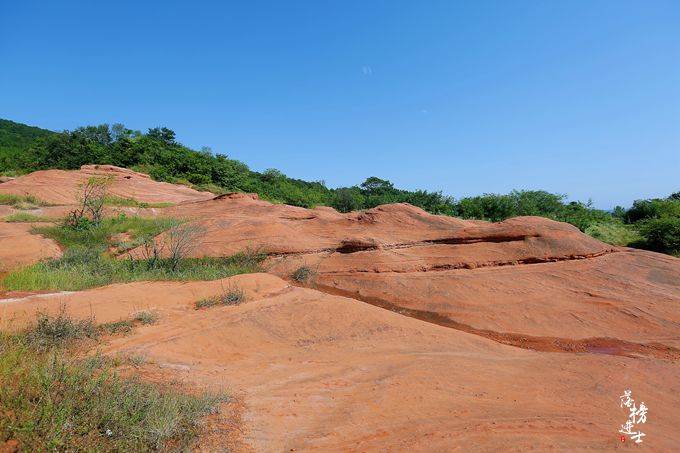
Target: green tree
column 662, row 235
column 348, row 199
column 374, row 185
column 162, row 134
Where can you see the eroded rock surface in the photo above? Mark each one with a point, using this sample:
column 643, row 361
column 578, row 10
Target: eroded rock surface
column 322, row 372
column 528, row 281
column 62, row 186
column 410, row 331
column 19, row 247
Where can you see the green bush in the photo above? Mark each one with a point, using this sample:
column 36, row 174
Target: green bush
column 614, row 232
column 146, row 317
column 346, row 200
column 303, row 274
column 50, row 332
column 653, row 209
column 662, row 235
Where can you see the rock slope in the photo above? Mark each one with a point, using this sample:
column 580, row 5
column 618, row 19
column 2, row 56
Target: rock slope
column 410, row 331
column 19, row 247
column 61, row 187
column 322, row 372
column 528, row 281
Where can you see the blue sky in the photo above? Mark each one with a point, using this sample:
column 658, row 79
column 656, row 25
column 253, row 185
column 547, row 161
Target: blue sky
column 575, row 97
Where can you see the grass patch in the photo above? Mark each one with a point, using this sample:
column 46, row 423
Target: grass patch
column 117, row 327
column 113, row 200
column 303, row 274
column 137, row 360
column 99, row 237
column 85, row 263
column 232, row 296
column 26, row 217
column 125, row 326
column 49, row 332
column 51, row 401
column 82, row 268
column 146, row 317
column 614, row 233
column 21, row 201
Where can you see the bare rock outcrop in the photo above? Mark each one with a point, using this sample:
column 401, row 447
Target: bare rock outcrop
column 321, row 372
column 62, row 186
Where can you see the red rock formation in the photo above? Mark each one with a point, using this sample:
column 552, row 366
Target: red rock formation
column 414, row 332
column 321, row 372
column 62, row 187
column 18, row 247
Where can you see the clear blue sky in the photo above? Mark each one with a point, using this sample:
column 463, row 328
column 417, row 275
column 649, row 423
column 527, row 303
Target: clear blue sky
column 575, row 97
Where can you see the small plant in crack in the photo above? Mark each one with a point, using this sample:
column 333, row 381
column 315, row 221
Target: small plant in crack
column 137, row 360
column 146, row 317
column 231, row 296
column 303, row 274
column 117, row 327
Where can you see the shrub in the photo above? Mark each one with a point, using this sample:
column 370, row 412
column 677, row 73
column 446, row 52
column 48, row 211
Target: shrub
column 115, row 327
column 146, row 317
column 49, row 332
column 91, row 210
column 614, row 233
column 302, row 274
column 662, row 235
column 653, row 209
column 346, row 200
column 181, row 240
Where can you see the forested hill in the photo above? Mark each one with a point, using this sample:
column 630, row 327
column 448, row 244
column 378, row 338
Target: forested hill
column 16, row 137
column 653, row 224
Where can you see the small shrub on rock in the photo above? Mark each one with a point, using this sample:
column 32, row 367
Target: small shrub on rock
column 233, row 296
column 302, row 274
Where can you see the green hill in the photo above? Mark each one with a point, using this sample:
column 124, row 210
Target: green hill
column 157, row 153
column 16, row 138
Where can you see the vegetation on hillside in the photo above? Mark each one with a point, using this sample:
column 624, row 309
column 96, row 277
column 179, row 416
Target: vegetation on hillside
column 649, row 223
column 53, row 400
column 16, row 138
column 88, row 260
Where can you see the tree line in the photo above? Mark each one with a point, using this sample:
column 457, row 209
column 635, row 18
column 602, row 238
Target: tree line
column 158, row 153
